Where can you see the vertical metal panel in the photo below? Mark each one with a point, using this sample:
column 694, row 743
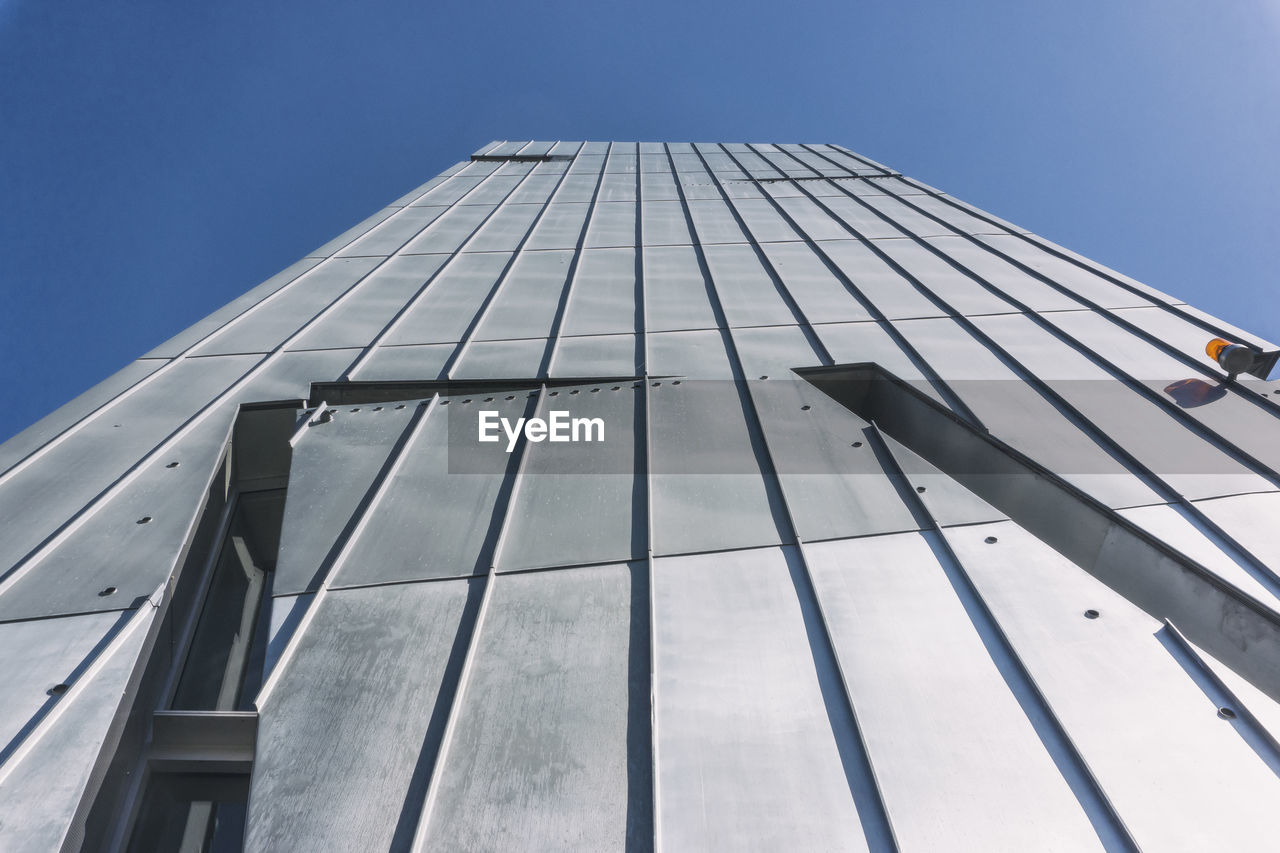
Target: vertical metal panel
column 35, row 656
column 664, row 223
column 184, row 339
column 579, row 187
column 617, row 186
column 603, row 298
column 288, row 376
column 714, row 222
column 697, row 354
column 391, row 234
column 333, row 466
column 448, row 305
column 579, row 502
column 748, row 756
column 863, row 221
column 612, row 224
column 352, row 233
column 42, row 788
column 851, row 343
column 1173, row 528
column 448, row 192
column 497, row 187
column 833, row 489
column 1185, row 336
column 747, row 290
column 597, row 355
column 658, row 185
column 675, row 291
column 1081, row 281
column 956, row 217
column 381, row 655
column 1181, row 776
column 817, row 223
column 774, row 351
column 109, row 548
column 434, row 522
column 505, row 229
column 708, row 491
column 263, row 331
column 963, row 294
column 501, row 360
column 902, row 214
column 944, row 732
column 414, row 194
column 764, row 222
column 67, row 416
column 544, row 756
column 1035, row 294
column 1021, row 416
column 405, row 362
column 450, row 230
column 559, row 228
column 537, row 188
column 36, row 500
column 817, row 291
column 526, row 304
column 880, row 283
column 1251, row 521
column 698, row 186
column 1186, row 461
column 363, row 316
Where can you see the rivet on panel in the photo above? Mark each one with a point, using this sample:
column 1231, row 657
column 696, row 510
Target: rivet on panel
column 990, row 540
column 555, row 393
column 468, row 400
column 401, row 406
column 488, row 399
column 764, row 377
column 920, row 489
column 511, row 396
column 1226, row 713
column 111, row 590
column 58, row 689
column 444, row 402
column 656, row 384
column 676, row 382
column 856, row 444
column 804, row 408
column 594, row 390
column 377, row 408
column 173, row 465
column 1091, row 614
column 617, row 387
column 146, row 519
column 356, row 409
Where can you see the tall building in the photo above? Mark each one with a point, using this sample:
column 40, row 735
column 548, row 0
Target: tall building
column 842, row 516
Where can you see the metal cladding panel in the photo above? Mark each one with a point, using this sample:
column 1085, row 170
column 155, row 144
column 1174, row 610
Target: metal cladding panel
column 43, row 781
column 1252, row 521
column 748, row 752
column 818, row 292
column 714, row 221
column 1190, row 537
column 606, row 355
column 527, row 303
column 560, row 226
column 184, row 340
column 449, row 304
column 39, row 654
column 360, row 319
column 708, row 491
column 1180, row 775
column 1004, row 276
column 504, row 231
column 432, row 521
column 501, row 359
column 617, row 187
column 953, row 215
column 128, row 543
column 49, row 427
column 345, row 238
column 944, row 731
column 335, row 464
column 580, row 503
column 960, row 293
column 774, row 351
column 1020, row 415
column 315, row 290
column 383, row 657
column 450, row 231
column 1079, row 280
column 675, row 291
column 862, row 221
column 746, row 289
column 37, row 499
column 1192, row 465
column 602, row 300
column 404, row 363
column 449, row 191
column 817, row 222
column 612, row 224
column 886, row 288
column 663, row 222
column 392, row 233
column 551, row 750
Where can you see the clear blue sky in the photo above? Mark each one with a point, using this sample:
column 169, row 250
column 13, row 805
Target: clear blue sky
column 158, row 159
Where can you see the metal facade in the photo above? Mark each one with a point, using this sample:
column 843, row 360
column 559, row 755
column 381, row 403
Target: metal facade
column 1022, row 594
